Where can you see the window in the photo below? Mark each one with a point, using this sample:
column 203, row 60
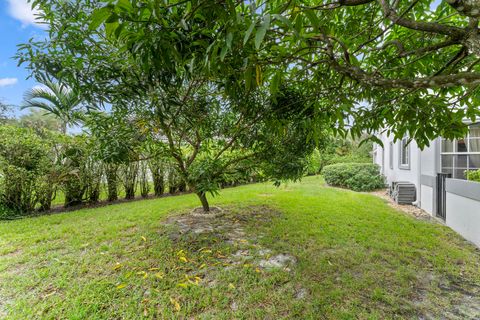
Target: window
column 461, row 155
column 390, row 155
column 404, row 154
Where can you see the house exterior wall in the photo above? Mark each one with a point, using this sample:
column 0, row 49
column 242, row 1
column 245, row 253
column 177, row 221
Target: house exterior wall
column 427, row 195
column 462, row 196
column 422, row 162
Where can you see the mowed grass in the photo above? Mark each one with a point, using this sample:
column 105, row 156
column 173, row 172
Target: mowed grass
column 357, row 258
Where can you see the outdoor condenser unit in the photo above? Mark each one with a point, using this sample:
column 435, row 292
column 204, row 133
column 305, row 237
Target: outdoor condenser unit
column 403, row 192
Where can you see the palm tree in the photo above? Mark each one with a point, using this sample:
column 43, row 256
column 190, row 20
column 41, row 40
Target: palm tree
column 55, row 98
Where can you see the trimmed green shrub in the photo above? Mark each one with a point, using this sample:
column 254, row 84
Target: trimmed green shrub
column 26, row 169
column 473, row 175
column 354, row 176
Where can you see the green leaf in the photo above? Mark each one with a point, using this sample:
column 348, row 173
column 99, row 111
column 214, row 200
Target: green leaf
column 110, row 28
column 145, row 14
column 99, row 16
column 262, row 31
column 124, row 5
column 249, row 32
column 223, row 53
column 258, row 74
column 112, row 18
column 248, row 78
column 229, row 39
column 119, row 30
column 283, row 19
column 274, row 84
column 183, row 24
column 313, row 18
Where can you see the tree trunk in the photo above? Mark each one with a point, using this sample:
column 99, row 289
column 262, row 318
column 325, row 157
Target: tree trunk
column 111, row 174
column 46, row 199
column 129, row 174
column 172, row 181
column 203, row 199
column 182, row 186
column 158, row 184
column 129, row 192
column 94, row 194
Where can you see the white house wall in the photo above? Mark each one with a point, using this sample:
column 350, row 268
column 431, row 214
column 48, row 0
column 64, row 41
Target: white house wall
column 421, row 163
column 462, row 197
column 430, row 160
column 427, row 195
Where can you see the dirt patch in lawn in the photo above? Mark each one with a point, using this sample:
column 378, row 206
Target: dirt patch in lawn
column 243, row 249
column 461, row 299
column 14, row 252
column 3, row 307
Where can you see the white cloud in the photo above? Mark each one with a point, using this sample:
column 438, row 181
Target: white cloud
column 39, row 86
column 7, row 82
column 22, row 11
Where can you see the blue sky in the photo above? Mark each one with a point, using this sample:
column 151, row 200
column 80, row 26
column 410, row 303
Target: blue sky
column 17, row 25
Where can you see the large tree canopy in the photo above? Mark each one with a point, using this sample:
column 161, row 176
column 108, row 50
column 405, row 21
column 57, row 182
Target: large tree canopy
column 411, row 67
column 208, row 122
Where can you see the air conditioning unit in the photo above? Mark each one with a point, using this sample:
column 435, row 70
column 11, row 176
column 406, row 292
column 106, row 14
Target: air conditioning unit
column 403, row 192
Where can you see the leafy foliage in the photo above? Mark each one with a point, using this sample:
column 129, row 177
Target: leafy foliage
column 473, row 175
column 40, row 167
column 355, row 176
column 338, row 150
column 40, row 121
column 27, row 169
column 56, row 99
column 223, row 85
column 367, row 65
column 4, row 110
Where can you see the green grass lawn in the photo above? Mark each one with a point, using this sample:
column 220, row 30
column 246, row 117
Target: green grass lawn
column 357, row 258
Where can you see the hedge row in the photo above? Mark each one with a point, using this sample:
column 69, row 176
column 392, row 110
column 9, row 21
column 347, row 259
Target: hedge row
column 354, row 176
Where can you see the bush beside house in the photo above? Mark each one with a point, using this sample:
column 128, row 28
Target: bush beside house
column 354, row 176
column 338, row 150
column 473, row 175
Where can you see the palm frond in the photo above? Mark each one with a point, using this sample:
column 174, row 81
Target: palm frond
column 39, row 105
column 55, row 98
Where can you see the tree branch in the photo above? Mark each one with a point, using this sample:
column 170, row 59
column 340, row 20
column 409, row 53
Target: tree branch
column 431, row 27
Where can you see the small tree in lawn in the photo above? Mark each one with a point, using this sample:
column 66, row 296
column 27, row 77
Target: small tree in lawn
column 209, row 138
column 211, row 121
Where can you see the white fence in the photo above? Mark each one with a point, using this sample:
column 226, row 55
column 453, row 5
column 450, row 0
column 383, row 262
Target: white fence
column 463, row 208
column 462, row 205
